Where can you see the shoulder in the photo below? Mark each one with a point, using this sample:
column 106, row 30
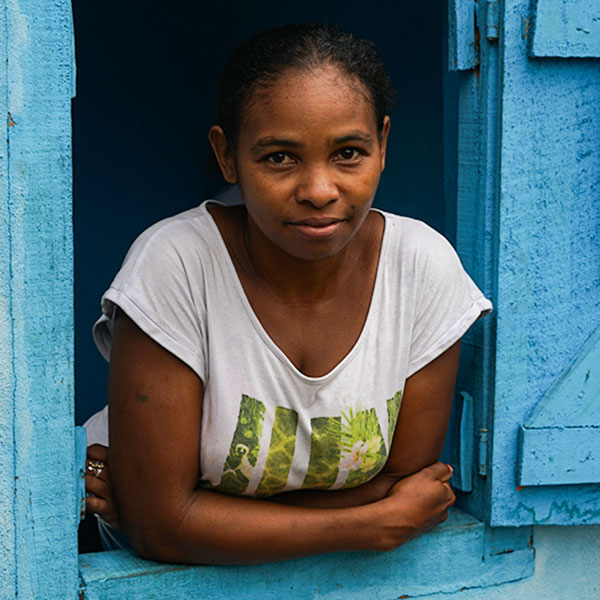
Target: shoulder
column 416, row 244
column 174, row 237
column 422, row 260
column 161, row 287
column 168, row 261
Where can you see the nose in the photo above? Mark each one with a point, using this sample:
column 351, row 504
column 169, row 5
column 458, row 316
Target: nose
column 316, row 187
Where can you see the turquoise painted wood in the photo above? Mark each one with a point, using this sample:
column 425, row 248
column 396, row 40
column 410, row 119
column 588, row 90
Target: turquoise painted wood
column 463, row 441
column 476, row 240
column 548, row 293
column 528, row 226
column 566, row 28
column 527, row 230
column 37, row 486
column 80, row 459
column 458, row 554
column 462, row 48
column 8, row 568
column 560, row 443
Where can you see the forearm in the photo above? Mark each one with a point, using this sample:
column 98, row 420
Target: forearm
column 214, row 528
column 375, row 489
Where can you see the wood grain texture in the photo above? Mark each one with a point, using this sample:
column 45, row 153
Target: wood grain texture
column 8, row 570
column 37, row 476
column 462, row 49
column 560, row 443
column 548, row 255
column 455, row 555
column 566, row 28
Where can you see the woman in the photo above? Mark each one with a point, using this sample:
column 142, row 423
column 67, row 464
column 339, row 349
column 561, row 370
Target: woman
column 281, row 372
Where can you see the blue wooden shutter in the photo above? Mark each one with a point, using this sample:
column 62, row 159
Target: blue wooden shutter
column 560, row 443
column 528, row 231
column 473, row 52
column 566, row 28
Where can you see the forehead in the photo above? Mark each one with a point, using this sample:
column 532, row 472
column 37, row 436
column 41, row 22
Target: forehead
column 309, row 101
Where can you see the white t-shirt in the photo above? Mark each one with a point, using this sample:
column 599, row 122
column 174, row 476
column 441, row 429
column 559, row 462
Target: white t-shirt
column 267, row 427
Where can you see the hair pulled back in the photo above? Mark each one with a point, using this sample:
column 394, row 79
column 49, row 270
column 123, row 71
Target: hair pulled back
column 262, row 59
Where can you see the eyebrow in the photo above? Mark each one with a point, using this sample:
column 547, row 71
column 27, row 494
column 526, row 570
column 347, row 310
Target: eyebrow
column 273, row 141
column 354, row 136
column 265, row 142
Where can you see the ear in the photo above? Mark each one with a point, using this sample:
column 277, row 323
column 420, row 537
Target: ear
column 383, row 137
column 223, row 153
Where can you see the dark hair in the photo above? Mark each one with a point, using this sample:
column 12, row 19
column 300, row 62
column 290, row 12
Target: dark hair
column 262, row 59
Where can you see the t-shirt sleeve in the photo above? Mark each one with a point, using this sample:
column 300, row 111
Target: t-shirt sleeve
column 161, row 290
column 447, row 301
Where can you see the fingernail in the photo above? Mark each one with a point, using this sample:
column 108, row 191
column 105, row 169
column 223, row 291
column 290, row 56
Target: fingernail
column 451, row 469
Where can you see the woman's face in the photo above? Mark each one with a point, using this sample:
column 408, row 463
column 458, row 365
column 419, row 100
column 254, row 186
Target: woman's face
column 308, row 161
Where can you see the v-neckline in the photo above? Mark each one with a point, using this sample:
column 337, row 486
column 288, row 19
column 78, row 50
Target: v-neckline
column 262, row 332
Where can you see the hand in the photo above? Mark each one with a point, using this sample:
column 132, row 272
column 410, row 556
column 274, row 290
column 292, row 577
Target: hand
column 416, row 504
column 102, row 502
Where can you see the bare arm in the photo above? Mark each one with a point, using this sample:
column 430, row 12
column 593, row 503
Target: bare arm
column 155, row 414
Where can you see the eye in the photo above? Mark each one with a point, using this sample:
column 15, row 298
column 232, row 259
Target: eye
column 349, row 154
column 279, row 158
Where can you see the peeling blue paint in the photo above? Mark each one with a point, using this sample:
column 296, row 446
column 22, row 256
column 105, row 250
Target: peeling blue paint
column 454, row 556
column 548, row 289
column 36, row 285
column 566, row 28
column 521, row 212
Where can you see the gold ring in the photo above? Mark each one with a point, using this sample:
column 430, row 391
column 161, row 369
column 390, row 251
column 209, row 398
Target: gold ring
column 95, row 467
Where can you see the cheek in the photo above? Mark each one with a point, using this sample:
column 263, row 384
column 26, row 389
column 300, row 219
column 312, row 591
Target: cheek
column 365, row 185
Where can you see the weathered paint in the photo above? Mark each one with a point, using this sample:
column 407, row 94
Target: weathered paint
column 454, row 556
column 463, row 439
column 80, row 460
column 37, row 486
column 560, row 443
column 559, row 456
column 567, row 567
column 463, row 52
column 37, row 538
column 566, row 28
column 7, row 377
column 478, row 122
column 548, row 291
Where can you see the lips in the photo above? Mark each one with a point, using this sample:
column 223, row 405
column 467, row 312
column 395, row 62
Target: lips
column 318, row 221
column 320, row 227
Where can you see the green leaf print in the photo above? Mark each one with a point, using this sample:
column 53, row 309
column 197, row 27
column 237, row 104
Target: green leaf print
column 393, row 409
column 281, row 452
column 324, row 452
column 244, row 447
column 363, row 448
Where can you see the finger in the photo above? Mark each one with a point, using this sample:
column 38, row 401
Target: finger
column 91, row 470
column 96, row 505
column 103, row 509
column 97, row 486
column 450, row 494
column 98, row 452
column 441, row 471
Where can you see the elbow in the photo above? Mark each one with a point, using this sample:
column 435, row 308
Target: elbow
column 156, row 544
column 155, row 535
column 151, row 543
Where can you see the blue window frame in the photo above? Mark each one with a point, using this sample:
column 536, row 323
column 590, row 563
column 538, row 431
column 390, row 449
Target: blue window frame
column 525, row 180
